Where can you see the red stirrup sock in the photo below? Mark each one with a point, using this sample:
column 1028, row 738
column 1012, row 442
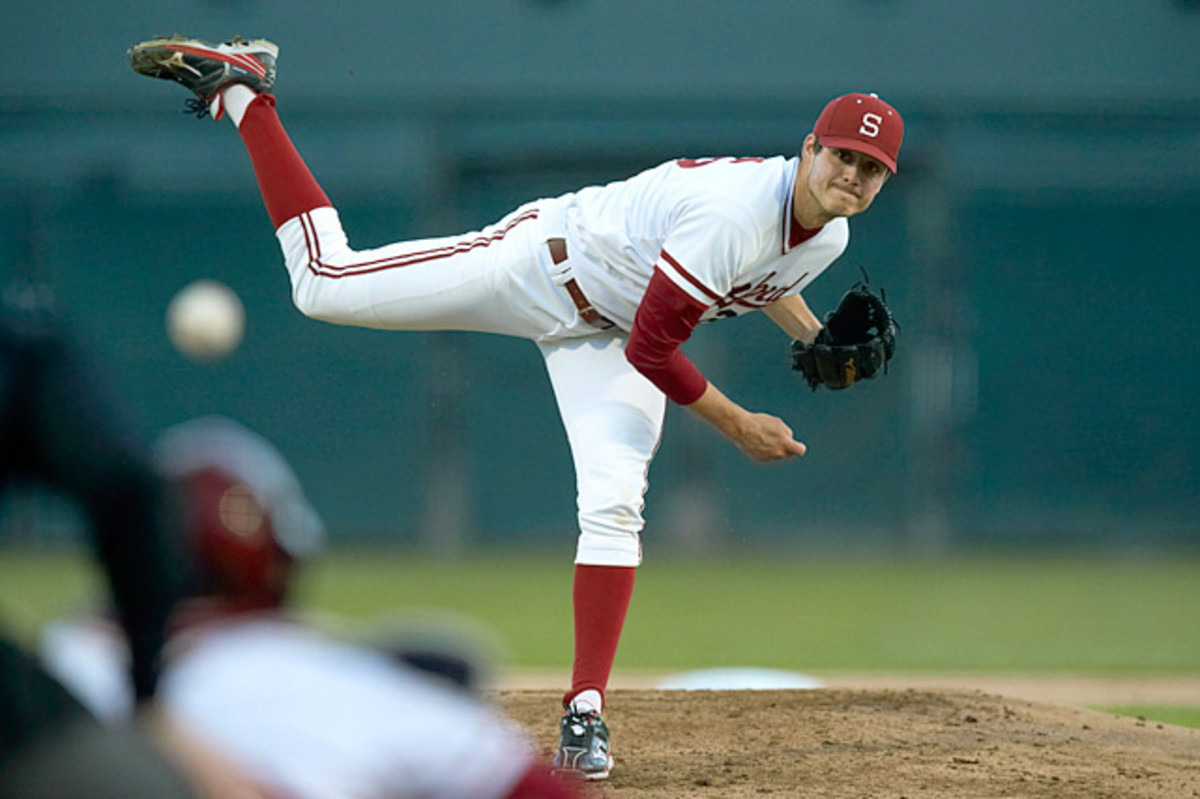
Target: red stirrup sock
column 287, row 187
column 601, row 597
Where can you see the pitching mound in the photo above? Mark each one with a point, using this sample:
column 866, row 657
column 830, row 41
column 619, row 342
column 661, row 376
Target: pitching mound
column 874, row 743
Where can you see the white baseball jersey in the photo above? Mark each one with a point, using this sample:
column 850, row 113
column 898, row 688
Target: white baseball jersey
column 308, row 716
column 720, row 228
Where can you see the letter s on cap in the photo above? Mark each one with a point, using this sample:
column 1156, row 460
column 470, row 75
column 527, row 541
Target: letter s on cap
column 870, row 125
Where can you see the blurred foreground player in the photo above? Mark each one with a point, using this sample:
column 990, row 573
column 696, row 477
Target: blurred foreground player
column 609, row 282
column 64, row 427
column 301, row 711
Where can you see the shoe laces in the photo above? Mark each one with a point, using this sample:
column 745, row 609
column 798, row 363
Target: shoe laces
column 586, row 717
column 197, row 107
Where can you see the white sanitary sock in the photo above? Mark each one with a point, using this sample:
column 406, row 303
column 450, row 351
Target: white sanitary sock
column 587, row 700
column 235, row 98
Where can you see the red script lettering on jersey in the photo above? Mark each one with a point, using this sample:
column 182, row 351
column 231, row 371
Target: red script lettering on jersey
column 754, row 295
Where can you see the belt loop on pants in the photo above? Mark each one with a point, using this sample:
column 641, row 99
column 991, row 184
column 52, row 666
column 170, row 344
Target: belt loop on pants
column 558, row 254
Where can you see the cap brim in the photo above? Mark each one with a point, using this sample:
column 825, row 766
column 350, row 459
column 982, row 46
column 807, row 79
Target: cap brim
column 860, row 146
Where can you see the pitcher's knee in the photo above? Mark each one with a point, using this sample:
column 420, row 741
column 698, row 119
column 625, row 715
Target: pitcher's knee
column 610, row 535
column 309, row 301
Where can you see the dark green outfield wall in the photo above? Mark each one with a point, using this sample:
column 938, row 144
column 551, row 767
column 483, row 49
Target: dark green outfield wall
column 1040, row 247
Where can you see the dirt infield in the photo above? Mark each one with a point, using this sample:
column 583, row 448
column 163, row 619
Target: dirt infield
column 920, row 743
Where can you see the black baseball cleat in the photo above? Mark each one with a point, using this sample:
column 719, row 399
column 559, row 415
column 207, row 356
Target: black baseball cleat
column 583, row 747
column 204, row 68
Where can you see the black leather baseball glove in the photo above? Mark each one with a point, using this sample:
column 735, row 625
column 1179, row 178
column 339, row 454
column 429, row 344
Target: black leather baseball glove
column 856, row 343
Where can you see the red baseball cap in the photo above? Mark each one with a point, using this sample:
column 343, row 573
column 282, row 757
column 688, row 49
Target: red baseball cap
column 863, row 123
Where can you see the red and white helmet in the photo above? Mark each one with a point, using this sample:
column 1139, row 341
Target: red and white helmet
column 248, row 522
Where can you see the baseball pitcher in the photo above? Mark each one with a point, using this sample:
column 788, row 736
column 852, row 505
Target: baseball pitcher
column 608, row 282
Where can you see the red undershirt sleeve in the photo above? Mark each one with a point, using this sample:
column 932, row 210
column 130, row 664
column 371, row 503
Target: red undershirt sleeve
column 664, row 320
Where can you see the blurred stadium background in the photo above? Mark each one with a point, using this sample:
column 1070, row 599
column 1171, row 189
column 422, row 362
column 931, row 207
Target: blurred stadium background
column 1039, row 246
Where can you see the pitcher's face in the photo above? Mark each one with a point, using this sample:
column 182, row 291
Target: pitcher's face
column 835, row 181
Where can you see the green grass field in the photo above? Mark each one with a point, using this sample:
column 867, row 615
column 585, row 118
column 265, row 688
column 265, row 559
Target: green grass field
column 1123, row 616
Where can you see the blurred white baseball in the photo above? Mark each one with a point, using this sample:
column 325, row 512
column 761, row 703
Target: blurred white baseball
column 205, row 320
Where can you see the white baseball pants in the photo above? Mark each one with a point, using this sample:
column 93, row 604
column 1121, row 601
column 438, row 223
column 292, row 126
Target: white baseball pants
column 498, row 280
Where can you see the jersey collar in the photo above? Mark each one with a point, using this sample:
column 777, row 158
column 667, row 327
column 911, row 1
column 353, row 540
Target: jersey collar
column 793, row 234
